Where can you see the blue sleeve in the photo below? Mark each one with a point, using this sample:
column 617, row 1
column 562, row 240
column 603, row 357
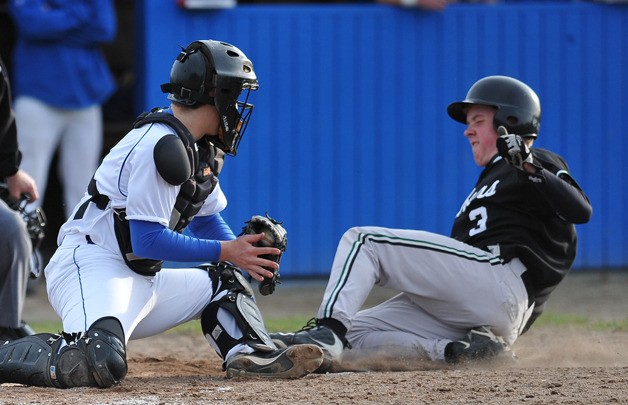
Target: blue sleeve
column 211, row 227
column 74, row 22
column 154, row 241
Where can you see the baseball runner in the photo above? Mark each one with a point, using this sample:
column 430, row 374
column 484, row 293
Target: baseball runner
column 15, row 244
column 106, row 280
column 468, row 296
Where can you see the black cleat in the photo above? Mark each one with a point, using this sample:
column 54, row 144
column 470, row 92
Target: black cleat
column 479, row 344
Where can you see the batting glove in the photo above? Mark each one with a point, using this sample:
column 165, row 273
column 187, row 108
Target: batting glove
column 513, row 149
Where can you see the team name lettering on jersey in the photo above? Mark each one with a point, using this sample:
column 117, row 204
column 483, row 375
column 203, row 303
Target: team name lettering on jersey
column 535, row 179
column 483, row 192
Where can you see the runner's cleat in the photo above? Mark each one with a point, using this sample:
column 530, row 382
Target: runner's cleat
column 316, row 334
column 292, row 362
column 479, row 344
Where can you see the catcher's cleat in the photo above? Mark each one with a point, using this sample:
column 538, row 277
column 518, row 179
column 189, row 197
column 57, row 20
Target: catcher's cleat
column 319, row 335
column 479, row 344
column 292, row 362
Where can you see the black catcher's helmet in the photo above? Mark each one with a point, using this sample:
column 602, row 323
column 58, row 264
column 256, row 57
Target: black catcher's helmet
column 518, row 106
column 215, row 73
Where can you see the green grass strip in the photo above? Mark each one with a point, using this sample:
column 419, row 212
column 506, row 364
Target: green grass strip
column 294, row 323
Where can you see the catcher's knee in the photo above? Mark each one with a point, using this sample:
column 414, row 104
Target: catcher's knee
column 96, row 359
column 233, row 302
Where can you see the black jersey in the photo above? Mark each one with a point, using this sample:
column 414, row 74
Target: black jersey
column 10, row 156
column 513, row 209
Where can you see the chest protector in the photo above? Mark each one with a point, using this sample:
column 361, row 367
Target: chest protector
column 197, row 177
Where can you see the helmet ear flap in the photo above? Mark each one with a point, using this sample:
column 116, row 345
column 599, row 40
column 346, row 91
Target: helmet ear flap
column 512, row 120
column 190, row 77
column 517, row 121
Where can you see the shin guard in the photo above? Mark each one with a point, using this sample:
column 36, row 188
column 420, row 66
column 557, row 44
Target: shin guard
column 236, row 298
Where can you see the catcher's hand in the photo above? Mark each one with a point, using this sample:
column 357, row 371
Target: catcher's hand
column 274, row 236
column 513, row 149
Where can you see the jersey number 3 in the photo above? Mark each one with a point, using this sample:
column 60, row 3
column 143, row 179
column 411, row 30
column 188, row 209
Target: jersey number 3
column 480, row 217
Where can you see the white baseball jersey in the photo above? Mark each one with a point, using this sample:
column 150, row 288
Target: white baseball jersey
column 129, row 178
column 87, row 281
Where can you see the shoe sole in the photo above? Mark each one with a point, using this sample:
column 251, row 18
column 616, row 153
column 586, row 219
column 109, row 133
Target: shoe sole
column 327, row 365
column 331, row 360
column 305, row 359
column 280, row 344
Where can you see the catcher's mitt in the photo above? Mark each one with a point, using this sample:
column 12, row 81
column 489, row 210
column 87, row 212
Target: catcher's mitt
column 274, row 236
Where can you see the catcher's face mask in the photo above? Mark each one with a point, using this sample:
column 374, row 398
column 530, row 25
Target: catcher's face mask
column 218, row 74
column 234, row 118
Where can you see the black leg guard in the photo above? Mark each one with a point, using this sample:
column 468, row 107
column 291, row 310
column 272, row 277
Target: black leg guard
column 237, row 300
column 101, row 352
column 26, row 360
column 94, row 359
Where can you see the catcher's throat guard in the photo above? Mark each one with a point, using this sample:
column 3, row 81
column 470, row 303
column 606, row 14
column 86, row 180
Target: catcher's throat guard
column 233, row 298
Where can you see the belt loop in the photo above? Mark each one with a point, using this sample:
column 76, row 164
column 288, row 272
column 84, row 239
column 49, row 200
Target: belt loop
column 526, row 317
column 494, row 249
column 517, row 266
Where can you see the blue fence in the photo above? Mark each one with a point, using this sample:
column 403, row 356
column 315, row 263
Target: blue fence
column 350, row 124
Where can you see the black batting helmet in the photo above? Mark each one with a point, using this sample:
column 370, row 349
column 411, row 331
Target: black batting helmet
column 518, row 106
column 215, row 73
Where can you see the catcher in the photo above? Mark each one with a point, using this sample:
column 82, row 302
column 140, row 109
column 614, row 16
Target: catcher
column 106, row 279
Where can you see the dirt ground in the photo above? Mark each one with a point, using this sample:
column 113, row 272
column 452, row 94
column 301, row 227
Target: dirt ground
column 556, row 365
